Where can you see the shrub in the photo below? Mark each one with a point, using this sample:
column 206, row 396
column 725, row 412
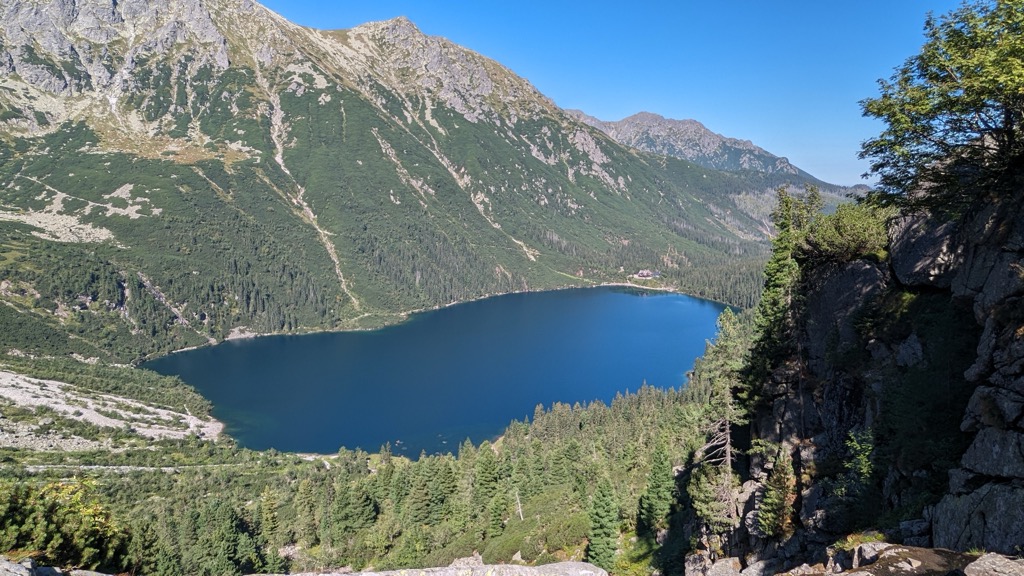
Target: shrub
column 852, row 232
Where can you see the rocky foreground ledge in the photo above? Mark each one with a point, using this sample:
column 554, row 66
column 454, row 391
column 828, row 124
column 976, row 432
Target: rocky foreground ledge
column 559, row 569
column 871, row 559
column 28, row 568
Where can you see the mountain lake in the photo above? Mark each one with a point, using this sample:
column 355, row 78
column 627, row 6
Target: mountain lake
column 464, row 371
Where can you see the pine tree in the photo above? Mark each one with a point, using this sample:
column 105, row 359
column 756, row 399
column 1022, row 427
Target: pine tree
column 443, row 486
column 496, row 513
column 714, row 385
column 604, row 527
column 269, row 525
column 485, row 481
column 417, row 504
column 306, row 523
column 775, row 513
column 656, row 502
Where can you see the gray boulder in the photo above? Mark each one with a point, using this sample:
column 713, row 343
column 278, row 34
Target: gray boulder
column 8, row 568
column 988, row 518
column 923, row 252
column 995, row 565
column 725, row 567
column 998, row 453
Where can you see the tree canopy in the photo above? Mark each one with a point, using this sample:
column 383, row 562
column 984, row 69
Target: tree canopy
column 954, row 111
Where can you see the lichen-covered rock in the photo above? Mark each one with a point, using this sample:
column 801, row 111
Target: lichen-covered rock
column 993, row 407
column 698, row 563
column 28, row 567
column 725, row 567
column 998, row 453
column 918, row 527
column 912, row 561
column 988, row 518
column 805, row 570
column 8, row 568
column 995, row 565
column 867, row 553
column 910, row 352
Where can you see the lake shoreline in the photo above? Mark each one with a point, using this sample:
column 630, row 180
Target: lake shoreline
column 239, row 333
column 504, row 356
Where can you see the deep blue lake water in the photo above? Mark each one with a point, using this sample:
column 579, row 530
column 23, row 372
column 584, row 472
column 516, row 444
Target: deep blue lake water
column 465, row 371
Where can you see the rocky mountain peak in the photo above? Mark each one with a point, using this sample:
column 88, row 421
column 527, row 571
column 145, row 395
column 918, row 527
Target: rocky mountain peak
column 691, row 140
column 399, row 27
column 439, row 71
column 73, row 46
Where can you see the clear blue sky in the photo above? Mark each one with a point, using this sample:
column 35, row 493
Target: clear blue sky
column 787, row 75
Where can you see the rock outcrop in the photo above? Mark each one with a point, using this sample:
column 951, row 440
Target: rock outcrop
column 874, row 559
column 28, row 567
column 936, row 327
column 983, row 508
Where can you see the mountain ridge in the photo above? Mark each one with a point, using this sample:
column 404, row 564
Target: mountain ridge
column 691, row 140
column 340, row 179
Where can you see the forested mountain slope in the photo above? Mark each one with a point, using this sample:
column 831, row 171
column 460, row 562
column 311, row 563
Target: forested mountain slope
column 171, row 172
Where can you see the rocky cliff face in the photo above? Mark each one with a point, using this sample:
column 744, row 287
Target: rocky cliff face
column 982, row 508
column 919, row 361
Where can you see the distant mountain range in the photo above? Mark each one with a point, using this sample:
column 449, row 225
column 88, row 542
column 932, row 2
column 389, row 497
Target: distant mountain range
column 690, row 140
column 174, row 172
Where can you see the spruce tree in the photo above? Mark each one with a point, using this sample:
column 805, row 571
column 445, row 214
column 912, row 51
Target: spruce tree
column 269, row 531
column 443, row 486
column 360, row 509
column 269, row 525
column 656, row 502
column 604, row 527
column 714, row 386
column 775, row 513
column 417, row 504
column 306, row 522
column 485, row 482
column 496, row 513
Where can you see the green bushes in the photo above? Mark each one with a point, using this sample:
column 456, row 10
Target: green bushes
column 60, row 524
column 852, row 232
